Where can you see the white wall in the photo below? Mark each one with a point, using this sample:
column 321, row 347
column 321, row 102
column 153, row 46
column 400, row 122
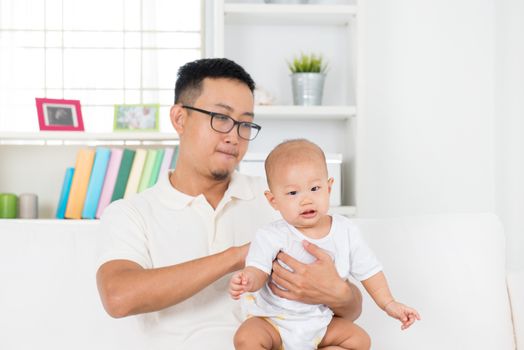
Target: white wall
column 428, row 99
column 509, row 124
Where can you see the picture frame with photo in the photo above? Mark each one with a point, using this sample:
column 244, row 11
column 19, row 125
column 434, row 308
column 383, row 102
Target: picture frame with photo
column 59, row 114
column 136, row 117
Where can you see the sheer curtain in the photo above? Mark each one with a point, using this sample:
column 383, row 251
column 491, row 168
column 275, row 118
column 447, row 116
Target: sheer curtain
column 101, row 52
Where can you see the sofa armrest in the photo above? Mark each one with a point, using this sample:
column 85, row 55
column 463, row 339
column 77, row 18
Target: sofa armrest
column 515, row 281
column 452, row 269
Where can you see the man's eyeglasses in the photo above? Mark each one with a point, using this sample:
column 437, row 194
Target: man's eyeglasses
column 223, row 123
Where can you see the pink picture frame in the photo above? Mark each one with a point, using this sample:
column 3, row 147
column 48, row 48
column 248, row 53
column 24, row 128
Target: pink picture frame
column 59, row 115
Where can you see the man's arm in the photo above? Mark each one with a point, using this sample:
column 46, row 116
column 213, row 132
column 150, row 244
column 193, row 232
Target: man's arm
column 126, row 288
column 317, row 283
column 348, row 304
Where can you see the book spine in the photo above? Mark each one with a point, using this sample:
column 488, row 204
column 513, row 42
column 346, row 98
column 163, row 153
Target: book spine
column 94, row 190
column 83, row 167
column 166, row 162
column 174, row 159
column 64, row 194
column 147, row 171
column 109, row 181
column 136, row 172
column 156, row 167
column 128, row 157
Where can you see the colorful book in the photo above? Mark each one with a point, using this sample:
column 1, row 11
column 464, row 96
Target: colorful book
column 136, row 172
column 174, row 159
column 166, row 162
column 148, row 170
column 77, row 195
column 96, row 181
column 156, row 167
column 128, row 156
column 109, row 181
column 64, row 194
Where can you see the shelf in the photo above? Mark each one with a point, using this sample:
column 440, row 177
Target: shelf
column 305, row 112
column 348, row 211
column 59, row 138
column 270, row 14
column 50, row 221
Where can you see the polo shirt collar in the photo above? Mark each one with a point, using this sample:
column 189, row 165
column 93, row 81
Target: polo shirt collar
column 239, row 188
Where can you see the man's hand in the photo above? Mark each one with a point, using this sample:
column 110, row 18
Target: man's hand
column 315, row 283
column 241, row 255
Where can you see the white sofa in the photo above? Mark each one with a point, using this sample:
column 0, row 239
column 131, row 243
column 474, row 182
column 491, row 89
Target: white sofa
column 450, row 267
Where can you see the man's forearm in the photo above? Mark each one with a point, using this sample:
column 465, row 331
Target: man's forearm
column 126, row 289
column 349, row 302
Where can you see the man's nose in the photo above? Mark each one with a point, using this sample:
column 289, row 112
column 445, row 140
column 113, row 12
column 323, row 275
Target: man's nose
column 232, row 136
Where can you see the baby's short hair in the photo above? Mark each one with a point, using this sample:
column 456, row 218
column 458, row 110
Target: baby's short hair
column 295, row 150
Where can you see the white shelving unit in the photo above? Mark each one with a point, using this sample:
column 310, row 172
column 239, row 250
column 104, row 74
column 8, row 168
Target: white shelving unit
column 262, row 37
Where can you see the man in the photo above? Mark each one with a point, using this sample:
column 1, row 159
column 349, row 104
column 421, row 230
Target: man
column 171, row 248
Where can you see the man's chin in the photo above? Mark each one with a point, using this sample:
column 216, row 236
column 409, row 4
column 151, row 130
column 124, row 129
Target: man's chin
column 220, row 175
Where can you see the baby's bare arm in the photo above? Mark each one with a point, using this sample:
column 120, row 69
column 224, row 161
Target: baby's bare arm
column 250, row 279
column 256, row 278
column 378, row 289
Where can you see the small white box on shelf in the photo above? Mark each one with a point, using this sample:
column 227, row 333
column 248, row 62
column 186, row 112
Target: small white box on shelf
column 253, row 164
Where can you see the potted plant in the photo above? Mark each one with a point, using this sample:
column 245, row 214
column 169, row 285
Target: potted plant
column 307, row 76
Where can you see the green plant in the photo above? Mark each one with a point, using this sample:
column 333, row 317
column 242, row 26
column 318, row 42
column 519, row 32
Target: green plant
column 308, row 64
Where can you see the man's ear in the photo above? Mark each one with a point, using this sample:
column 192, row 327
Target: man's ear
column 330, row 184
column 178, row 118
column 271, row 199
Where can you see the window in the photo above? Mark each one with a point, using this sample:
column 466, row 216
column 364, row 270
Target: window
column 101, row 52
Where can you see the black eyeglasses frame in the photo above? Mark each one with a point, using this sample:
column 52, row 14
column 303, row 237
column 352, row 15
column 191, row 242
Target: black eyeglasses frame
column 236, row 123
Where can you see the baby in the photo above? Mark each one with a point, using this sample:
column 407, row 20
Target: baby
column 299, row 189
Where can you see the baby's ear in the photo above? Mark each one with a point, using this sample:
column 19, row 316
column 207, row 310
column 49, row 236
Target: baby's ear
column 271, row 199
column 330, row 184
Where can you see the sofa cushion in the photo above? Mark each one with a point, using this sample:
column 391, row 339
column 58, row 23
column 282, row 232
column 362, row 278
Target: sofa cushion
column 451, row 268
column 48, row 294
column 516, row 293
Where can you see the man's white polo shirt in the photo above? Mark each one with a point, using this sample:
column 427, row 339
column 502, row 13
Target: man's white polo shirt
column 162, row 226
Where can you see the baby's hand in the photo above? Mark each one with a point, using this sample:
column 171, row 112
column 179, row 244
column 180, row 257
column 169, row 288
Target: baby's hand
column 239, row 284
column 403, row 313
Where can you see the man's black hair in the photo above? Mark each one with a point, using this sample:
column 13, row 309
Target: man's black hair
column 190, row 76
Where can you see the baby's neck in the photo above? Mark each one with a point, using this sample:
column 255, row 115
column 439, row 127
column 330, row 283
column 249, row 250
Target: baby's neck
column 320, row 230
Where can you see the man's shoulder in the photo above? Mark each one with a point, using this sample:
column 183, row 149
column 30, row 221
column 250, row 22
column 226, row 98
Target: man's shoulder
column 248, row 187
column 133, row 206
